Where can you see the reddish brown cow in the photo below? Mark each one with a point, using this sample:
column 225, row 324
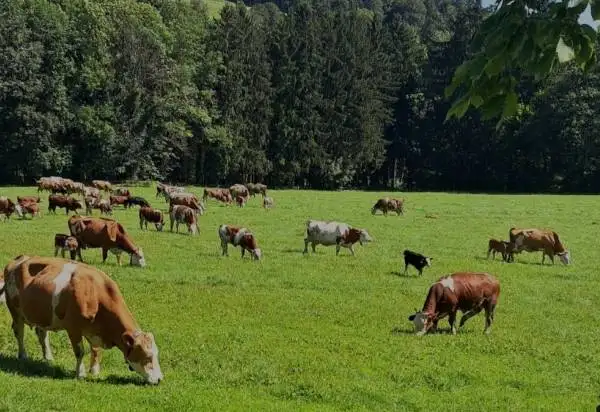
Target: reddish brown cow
column 469, row 292
column 535, row 240
column 65, row 243
column 186, row 199
column 241, row 237
column 7, row 207
column 118, row 200
column 107, row 234
column 25, row 208
column 148, row 214
column 69, row 203
column 28, row 199
column 53, row 294
column 183, row 214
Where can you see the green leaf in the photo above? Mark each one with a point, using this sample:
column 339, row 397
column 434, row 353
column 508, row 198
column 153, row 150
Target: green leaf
column 476, row 101
column 494, row 66
column 595, row 9
column 510, row 105
column 459, row 108
column 460, row 74
column 493, row 107
column 544, row 65
column 565, row 52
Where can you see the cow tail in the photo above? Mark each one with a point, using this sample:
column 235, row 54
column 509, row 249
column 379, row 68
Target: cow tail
column 2, row 292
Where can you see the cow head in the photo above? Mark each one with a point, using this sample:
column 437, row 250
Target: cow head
column 428, row 261
column 564, row 257
column 141, row 354
column 422, row 322
column 137, row 259
column 256, row 253
column 159, row 226
column 364, row 237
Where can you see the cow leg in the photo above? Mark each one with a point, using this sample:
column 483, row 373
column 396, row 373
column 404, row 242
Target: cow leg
column 452, row 322
column 314, row 247
column 543, row 257
column 104, row 254
column 18, row 327
column 62, row 252
column 56, row 248
column 351, row 249
column 118, row 258
column 489, row 317
column 468, row 315
column 305, row 246
column 95, row 358
column 224, row 248
column 79, row 351
column 405, row 268
column 44, row 343
column 243, row 252
column 337, row 248
column 78, row 252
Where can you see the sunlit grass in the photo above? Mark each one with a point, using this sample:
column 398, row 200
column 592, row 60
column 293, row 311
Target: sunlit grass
column 321, row 332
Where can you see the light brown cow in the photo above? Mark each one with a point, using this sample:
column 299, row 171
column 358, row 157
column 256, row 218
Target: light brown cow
column 239, row 190
column 107, row 234
column 241, row 237
column 7, row 207
column 184, row 214
column 91, row 192
column 387, row 204
column 241, row 201
column 222, row 195
column 469, row 292
column 53, row 294
column 148, row 214
column 102, row 185
column 186, row 199
column 535, row 240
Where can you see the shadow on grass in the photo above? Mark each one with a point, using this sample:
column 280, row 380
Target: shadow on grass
column 298, row 251
column 414, row 275
column 33, row 368
column 124, row 380
column 409, row 330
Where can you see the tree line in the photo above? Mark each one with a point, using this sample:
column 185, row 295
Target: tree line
column 324, row 94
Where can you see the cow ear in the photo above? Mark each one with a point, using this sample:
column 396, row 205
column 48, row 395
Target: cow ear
column 128, row 339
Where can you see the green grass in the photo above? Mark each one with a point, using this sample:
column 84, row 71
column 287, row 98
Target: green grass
column 322, row 332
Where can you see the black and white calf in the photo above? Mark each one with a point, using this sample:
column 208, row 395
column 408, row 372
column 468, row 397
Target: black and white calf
column 417, row 260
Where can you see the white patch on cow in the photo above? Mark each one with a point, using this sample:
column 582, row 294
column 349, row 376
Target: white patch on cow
column 11, row 283
column 258, row 253
column 60, row 283
column 95, row 369
column 3, row 297
column 19, row 210
column 238, row 236
column 565, row 257
column 419, row 322
column 428, row 260
column 365, row 237
column 448, row 282
column 138, row 259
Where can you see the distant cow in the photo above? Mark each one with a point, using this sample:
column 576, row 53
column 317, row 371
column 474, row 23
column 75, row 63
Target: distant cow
column 65, row 243
column 186, row 199
column 28, row 199
column 239, row 236
column 53, row 294
column 240, row 201
column 69, row 203
column 184, row 214
column 136, row 200
column 239, row 190
column 499, row 246
column 334, row 233
column 121, row 191
column 102, row 185
column 222, row 195
column 25, row 208
column 101, row 204
column 118, row 200
column 7, row 207
column 106, row 234
column 417, row 260
column 91, row 192
column 389, row 205
column 535, row 240
column 147, row 214
column 468, row 292
column 268, row 202
column 257, row 188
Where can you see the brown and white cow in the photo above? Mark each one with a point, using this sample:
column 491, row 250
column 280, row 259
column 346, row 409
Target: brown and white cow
column 102, row 185
column 499, row 246
column 107, row 234
column 387, row 204
column 118, row 200
column 257, row 188
column 334, row 233
column 535, row 240
column 239, row 190
column 7, row 207
column 148, row 214
column 239, row 236
column 64, row 243
column 103, row 205
column 268, row 202
column 25, row 208
column 186, row 199
column 68, row 202
column 184, row 214
column 28, row 199
column 91, row 192
column 53, row 294
column 469, row 292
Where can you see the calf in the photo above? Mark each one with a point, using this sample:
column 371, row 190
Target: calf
column 63, row 243
column 499, row 246
column 535, row 240
column 417, row 260
column 268, row 202
column 7, row 207
column 184, row 214
column 53, row 294
column 469, row 292
column 333, row 233
column 136, row 200
column 69, row 203
column 240, row 200
column 147, row 214
column 241, row 237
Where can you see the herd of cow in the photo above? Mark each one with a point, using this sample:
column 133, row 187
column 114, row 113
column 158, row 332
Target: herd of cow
column 51, row 294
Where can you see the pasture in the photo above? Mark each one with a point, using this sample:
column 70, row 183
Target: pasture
column 321, row 332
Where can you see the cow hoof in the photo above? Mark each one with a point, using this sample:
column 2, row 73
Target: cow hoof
column 95, row 370
column 49, row 358
column 22, row 356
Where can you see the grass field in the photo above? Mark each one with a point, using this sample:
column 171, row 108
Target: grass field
column 321, row 332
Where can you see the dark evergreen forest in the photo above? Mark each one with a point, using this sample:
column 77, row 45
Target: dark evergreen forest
column 324, row 94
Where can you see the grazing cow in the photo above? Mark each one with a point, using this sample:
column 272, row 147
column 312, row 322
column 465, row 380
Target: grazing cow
column 7, row 207
column 91, row 192
column 241, row 201
column 136, row 200
column 499, row 246
column 28, row 199
column 241, row 237
column 118, row 200
column 416, row 260
column 268, row 202
column 103, row 205
column 389, row 205
column 184, row 214
column 535, row 240
column 259, row 188
column 186, row 199
column 334, row 233
column 63, row 243
column 25, row 208
column 102, row 185
column 167, row 191
column 147, row 214
column 239, row 190
column 53, row 294
column 68, row 202
column 121, row 191
column 222, row 195
column 469, row 292
column 107, row 234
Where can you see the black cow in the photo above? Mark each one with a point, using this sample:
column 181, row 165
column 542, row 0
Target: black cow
column 417, row 260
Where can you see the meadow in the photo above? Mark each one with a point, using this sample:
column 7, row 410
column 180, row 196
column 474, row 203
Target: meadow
column 321, row 332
